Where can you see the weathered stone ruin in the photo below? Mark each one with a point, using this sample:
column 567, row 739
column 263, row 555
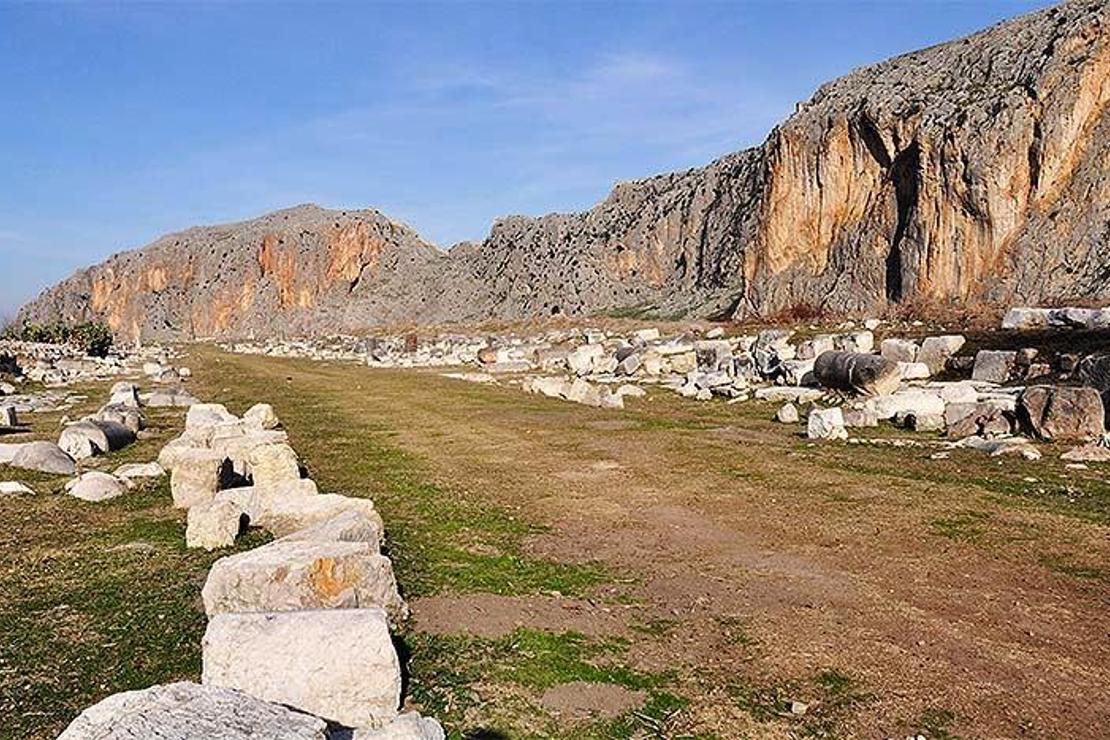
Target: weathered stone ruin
column 983, row 394
column 298, row 641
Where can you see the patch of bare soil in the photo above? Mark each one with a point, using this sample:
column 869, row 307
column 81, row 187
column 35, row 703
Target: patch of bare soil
column 489, row 615
column 829, row 569
column 580, row 701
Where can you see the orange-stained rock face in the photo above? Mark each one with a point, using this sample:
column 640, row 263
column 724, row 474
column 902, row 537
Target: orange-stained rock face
column 1080, row 96
column 301, row 280
column 279, row 265
column 219, row 316
column 267, row 257
column 247, row 295
column 940, row 176
column 352, row 249
column 329, row 579
column 246, row 279
column 154, row 279
column 647, row 263
column 817, row 191
column 113, row 302
column 117, row 297
column 103, row 287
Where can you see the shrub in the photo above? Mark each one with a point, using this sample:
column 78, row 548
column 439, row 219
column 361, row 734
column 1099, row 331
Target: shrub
column 799, row 313
column 93, row 338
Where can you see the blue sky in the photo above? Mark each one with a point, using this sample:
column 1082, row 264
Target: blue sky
column 120, row 122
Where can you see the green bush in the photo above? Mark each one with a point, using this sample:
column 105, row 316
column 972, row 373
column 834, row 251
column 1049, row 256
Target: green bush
column 93, row 338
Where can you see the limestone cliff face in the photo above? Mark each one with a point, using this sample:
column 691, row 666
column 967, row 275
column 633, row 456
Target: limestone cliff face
column 972, row 171
column 289, row 272
column 667, row 242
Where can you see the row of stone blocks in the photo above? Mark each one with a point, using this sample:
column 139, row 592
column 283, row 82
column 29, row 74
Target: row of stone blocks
column 298, row 641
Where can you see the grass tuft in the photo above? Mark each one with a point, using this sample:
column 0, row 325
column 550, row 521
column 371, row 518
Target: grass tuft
column 964, row 526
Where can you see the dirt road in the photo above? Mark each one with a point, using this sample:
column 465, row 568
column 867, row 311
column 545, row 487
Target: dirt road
column 750, row 572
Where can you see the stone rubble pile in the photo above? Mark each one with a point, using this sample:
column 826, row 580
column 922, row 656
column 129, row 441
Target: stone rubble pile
column 582, row 365
column 1030, row 319
column 1009, row 392
column 298, row 642
column 13, row 404
column 117, row 424
column 56, row 365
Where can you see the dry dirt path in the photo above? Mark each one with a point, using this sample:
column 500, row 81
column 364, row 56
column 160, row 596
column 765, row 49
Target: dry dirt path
column 891, row 592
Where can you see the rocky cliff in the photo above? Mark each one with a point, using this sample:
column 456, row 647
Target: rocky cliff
column 290, row 272
column 972, row 171
column 976, row 170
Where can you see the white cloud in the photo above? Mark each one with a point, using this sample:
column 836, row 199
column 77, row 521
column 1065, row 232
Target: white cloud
column 529, row 141
column 633, row 69
column 11, row 237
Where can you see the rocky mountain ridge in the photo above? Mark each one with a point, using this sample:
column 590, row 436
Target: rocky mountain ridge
column 970, row 172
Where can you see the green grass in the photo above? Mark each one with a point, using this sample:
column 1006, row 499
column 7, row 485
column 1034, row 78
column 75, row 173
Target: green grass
column 658, row 719
column 94, row 599
column 1043, row 485
column 1065, row 565
column 459, row 677
column 540, row 660
column 936, row 724
column 444, row 542
column 441, row 540
column 963, row 526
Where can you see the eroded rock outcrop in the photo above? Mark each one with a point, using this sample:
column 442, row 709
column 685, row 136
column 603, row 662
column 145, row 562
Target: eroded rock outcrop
column 970, row 172
column 271, row 275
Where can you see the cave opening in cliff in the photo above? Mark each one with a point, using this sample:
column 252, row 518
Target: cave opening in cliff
column 905, row 174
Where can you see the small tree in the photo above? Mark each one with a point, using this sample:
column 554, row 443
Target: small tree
column 94, row 338
column 56, row 333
